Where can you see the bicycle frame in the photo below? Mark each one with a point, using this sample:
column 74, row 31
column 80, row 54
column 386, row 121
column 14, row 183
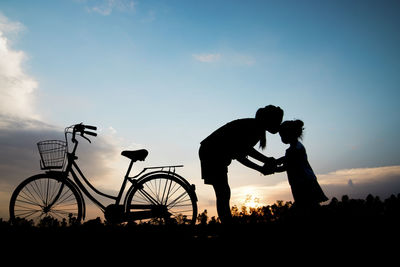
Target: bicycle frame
column 73, row 168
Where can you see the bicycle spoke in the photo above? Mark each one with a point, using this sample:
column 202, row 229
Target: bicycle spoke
column 166, row 196
column 156, row 190
column 179, row 203
column 28, row 214
column 24, row 208
column 47, row 192
column 55, row 191
column 148, row 197
column 64, row 198
column 38, row 191
column 150, row 188
column 29, row 203
column 36, row 199
column 33, row 194
column 176, row 199
column 166, row 193
column 174, row 191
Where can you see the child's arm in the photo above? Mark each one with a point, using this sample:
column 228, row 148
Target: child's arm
column 280, row 161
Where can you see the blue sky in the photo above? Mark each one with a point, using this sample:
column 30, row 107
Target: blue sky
column 165, row 74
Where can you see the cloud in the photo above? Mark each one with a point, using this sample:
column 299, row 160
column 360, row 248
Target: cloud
column 21, row 128
column 229, row 58
column 207, row 58
column 149, row 17
column 19, row 122
column 19, row 157
column 359, row 175
column 359, row 182
column 7, row 26
column 106, row 7
column 356, row 183
column 16, row 86
column 239, row 59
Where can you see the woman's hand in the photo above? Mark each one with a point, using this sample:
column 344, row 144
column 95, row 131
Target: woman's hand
column 267, row 170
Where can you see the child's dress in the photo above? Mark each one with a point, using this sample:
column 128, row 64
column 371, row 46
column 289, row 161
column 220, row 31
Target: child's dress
column 302, row 180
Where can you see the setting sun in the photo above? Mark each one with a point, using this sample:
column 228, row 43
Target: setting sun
column 249, row 197
column 252, row 201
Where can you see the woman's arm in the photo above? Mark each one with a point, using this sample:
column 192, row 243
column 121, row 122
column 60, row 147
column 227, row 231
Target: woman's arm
column 267, row 169
column 270, row 164
column 258, row 156
column 246, row 162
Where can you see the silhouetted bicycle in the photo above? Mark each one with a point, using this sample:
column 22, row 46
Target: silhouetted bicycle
column 157, row 194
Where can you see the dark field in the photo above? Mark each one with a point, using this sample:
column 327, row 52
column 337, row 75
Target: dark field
column 352, row 229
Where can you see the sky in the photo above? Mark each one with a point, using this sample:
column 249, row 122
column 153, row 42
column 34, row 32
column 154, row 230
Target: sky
column 163, row 75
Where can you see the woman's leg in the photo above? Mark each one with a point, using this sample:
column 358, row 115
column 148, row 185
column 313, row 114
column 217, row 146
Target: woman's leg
column 223, row 194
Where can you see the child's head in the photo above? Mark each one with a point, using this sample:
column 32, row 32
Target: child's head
column 291, row 131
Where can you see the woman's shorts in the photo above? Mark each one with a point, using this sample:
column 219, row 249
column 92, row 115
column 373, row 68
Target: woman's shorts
column 214, row 169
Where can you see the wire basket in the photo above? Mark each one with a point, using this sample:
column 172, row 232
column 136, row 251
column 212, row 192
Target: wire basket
column 52, row 154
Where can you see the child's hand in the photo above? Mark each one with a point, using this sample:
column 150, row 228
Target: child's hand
column 268, row 168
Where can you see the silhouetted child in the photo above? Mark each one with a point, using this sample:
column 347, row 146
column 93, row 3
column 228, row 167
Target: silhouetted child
column 306, row 191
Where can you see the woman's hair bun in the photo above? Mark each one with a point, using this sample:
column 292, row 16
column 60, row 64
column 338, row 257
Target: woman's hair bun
column 299, row 123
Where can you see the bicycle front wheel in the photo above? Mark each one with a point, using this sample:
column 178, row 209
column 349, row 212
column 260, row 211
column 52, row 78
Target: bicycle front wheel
column 46, row 197
column 163, row 192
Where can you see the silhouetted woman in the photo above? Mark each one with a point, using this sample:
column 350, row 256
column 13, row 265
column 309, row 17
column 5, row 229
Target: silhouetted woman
column 306, row 191
column 236, row 140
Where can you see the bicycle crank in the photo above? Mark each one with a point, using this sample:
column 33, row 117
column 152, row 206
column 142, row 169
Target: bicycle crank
column 114, row 213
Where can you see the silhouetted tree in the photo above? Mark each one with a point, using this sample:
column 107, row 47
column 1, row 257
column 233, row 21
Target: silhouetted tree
column 49, row 222
column 202, row 218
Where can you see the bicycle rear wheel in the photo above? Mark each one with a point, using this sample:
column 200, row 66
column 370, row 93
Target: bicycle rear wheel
column 46, row 197
column 163, row 192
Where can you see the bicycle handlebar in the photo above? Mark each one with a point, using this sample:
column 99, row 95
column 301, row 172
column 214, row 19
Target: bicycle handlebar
column 90, row 127
column 81, row 130
column 90, row 133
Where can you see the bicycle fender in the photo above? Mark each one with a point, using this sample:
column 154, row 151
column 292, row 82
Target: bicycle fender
column 192, row 186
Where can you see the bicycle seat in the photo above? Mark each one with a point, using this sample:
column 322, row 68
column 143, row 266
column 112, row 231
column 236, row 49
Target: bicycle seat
column 135, row 155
